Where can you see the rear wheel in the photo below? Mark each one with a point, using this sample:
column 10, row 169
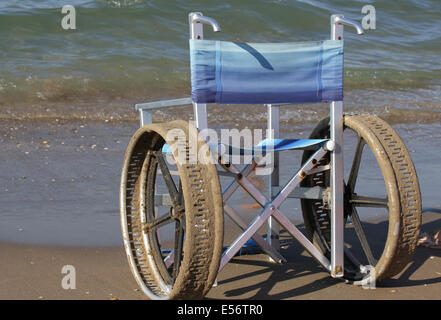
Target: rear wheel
column 171, row 212
column 382, row 199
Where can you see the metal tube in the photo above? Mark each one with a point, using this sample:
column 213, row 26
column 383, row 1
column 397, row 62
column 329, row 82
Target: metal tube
column 337, row 190
column 341, row 20
column 273, row 183
column 244, row 237
column 198, row 17
column 232, row 187
column 297, row 178
column 145, row 117
column 337, row 173
column 292, row 230
column 164, row 104
column 269, row 208
column 197, row 32
column 275, row 256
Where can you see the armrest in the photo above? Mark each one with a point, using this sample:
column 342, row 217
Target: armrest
column 145, row 109
column 163, row 104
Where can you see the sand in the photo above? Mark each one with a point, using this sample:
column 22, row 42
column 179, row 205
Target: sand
column 59, row 206
column 35, row 273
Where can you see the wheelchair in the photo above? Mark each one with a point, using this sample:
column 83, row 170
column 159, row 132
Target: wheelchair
column 171, row 201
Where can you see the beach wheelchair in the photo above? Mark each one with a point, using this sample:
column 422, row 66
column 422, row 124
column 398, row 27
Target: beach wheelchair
column 171, row 202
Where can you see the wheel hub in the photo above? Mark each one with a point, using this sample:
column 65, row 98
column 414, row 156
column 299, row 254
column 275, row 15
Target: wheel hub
column 177, row 212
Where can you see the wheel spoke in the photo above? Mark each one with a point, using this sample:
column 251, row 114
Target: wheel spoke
column 179, row 239
column 374, row 202
column 362, row 236
column 168, row 179
column 161, row 221
column 180, row 195
column 356, row 164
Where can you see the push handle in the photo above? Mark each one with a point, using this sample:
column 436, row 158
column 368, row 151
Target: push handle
column 196, row 17
column 340, row 19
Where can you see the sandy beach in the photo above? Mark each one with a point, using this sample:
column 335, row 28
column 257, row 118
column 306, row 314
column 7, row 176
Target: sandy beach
column 67, row 114
column 35, row 273
column 59, row 196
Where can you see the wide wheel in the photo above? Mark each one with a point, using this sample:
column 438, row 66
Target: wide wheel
column 382, row 200
column 171, row 211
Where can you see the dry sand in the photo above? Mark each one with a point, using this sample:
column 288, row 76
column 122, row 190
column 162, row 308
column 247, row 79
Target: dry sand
column 35, row 272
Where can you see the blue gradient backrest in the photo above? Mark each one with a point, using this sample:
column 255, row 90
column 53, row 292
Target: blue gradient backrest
column 255, row 73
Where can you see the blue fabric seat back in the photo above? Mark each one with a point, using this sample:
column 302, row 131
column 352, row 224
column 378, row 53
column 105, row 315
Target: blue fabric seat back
column 248, row 73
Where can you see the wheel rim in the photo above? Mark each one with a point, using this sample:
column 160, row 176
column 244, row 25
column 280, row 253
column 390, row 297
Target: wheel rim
column 165, row 268
column 153, row 221
column 387, row 259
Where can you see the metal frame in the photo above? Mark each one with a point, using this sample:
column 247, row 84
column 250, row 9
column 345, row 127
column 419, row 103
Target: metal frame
column 196, row 20
column 276, row 194
column 271, row 209
column 273, row 181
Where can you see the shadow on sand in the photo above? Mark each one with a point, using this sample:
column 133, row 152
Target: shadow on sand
column 300, row 265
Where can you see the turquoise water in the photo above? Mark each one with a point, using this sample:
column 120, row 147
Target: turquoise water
column 137, row 50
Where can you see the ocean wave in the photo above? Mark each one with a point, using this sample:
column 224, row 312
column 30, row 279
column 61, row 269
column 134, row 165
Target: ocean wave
column 131, row 51
column 125, row 82
column 228, row 115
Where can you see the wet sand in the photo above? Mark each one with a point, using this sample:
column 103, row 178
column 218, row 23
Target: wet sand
column 59, row 206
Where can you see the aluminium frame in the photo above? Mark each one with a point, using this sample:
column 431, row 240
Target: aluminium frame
column 276, row 194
